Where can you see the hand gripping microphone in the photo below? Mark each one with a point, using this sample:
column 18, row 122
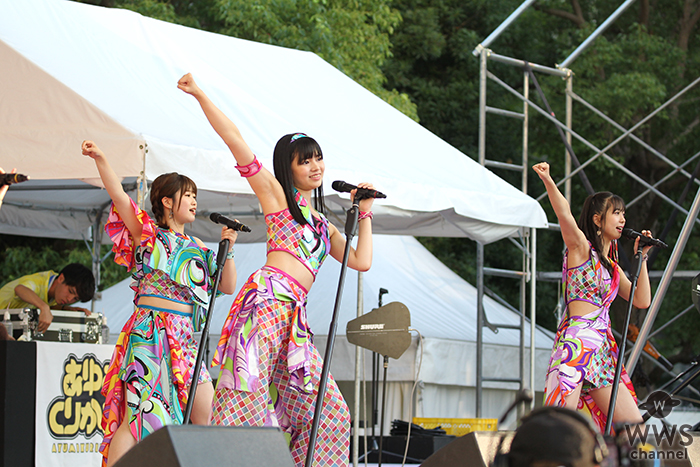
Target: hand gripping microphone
column 341, row 186
column 230, row 223
column 643, row 240
column 9, row 179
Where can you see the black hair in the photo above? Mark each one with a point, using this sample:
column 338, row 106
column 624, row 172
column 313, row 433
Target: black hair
column 167, row 186
column 78, row 276
column 599, row 203
column 291, row 148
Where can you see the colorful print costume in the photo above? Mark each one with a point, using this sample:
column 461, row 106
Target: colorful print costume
column 270, row 368
column 585, row 351
column 155, row 354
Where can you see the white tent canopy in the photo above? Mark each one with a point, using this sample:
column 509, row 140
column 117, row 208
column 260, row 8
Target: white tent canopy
column 73, row 71
column 443, row 310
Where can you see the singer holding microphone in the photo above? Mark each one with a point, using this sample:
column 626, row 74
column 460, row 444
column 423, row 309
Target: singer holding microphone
column 270, row 368
column 147, row 383
column 582, row 366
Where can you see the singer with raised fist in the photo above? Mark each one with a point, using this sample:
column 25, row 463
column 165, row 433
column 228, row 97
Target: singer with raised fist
column 270, row 368
column 147, row 383
column 582, row 366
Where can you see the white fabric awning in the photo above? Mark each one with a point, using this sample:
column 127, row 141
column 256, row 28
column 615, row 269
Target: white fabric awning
column 74, row 71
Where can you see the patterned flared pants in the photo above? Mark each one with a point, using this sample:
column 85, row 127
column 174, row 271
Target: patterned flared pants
column 276, row 403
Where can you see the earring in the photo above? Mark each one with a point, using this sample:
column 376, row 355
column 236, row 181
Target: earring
column 170, row 216
column 598, row 232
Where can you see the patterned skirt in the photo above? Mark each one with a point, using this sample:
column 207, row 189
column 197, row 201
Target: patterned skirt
column 153, row 362
column 585, row 353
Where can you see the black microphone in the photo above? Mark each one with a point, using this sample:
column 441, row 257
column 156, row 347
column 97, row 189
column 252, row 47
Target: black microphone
column 341, row 186
column 231, row 224
column 9, row 179
column 643, row 240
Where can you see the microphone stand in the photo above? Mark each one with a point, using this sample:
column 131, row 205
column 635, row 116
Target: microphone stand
column 375, row 393
column 220, row 262
column 623, row 343
column 350, row 229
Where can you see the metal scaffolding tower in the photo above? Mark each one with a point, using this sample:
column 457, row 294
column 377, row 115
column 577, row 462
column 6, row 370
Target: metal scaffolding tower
column 527, row 237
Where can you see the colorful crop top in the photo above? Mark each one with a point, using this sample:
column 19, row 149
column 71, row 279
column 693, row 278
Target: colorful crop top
column 590, row 281
column 167, row 260
column 310, row 243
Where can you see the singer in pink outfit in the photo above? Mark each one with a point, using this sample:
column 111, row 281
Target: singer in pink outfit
column 270, row 368
column 584, row 358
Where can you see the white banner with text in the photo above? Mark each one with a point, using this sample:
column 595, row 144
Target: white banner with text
column 69, row 403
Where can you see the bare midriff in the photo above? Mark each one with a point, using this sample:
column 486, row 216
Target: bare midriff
column 292, row 266
column 580, row 308
column 164, row 303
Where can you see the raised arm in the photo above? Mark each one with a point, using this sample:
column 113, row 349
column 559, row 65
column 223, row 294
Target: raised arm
column 264, row 184
column 574, row 238
column 114, row 188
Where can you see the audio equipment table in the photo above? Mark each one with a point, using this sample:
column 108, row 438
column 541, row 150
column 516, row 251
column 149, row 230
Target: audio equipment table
column 67, row 326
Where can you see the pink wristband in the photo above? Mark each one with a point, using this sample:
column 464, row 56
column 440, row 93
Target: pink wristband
column 364, row 215
column 250, row 169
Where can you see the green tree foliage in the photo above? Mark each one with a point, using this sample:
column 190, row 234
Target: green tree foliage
column 20, row 256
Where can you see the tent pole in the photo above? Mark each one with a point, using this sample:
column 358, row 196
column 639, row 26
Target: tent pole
column 141, row 185
column 483, row 59
column 479, row 322
column 533, row 308
column 96, row 247
column 525, row 252
column 356, row 405
column 523, row 313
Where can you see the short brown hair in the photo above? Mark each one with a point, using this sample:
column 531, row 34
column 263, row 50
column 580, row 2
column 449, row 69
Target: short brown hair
column 167, row 186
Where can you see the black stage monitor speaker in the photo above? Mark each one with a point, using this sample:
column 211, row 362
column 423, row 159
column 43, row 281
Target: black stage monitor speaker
column 210, row 446
column 475, row 449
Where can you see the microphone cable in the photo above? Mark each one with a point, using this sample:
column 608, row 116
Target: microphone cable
column 410, row 405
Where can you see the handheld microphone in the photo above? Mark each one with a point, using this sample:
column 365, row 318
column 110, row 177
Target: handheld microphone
column 341, row 186
column 230, row 223
column 9, row 179
column 643, row 240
